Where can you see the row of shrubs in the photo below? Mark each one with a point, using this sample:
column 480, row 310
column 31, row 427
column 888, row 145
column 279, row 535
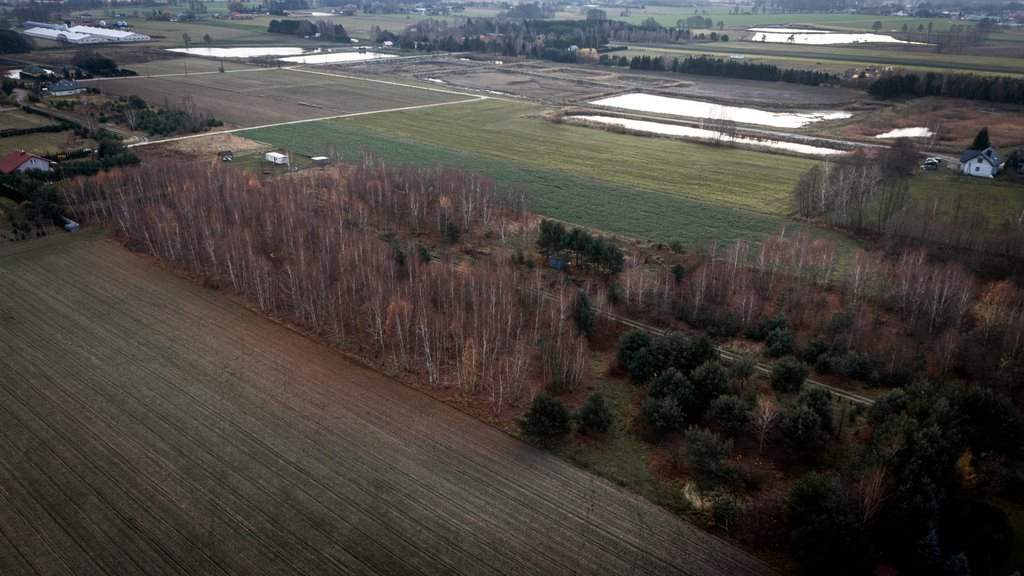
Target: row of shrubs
column 34, row 130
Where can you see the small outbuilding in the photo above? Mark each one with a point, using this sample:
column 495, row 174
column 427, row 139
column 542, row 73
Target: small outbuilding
column 320, row 160
column 226, row 155
column 982, row 163
column 71, row 225
column 276, row 158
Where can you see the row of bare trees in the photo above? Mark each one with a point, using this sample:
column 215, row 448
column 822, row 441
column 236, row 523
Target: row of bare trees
column 871, row 193
column 895, row 305
column 308, row 248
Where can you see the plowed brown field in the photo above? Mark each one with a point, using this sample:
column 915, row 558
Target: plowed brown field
column 150, row 426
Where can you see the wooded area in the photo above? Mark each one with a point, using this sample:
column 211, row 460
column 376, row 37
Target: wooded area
column 332, row 253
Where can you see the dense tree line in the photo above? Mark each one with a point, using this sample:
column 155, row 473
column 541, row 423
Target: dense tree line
column 6, row 132
column 588, row 252
column 531, row 38
column 13, row 43
column 308, row 248
column 882, row 319
column 710, row 66
column 861, row 192
column 307, row 29
column 963, row 86
column 278, row 7
column 164, row 122
column 181, row 119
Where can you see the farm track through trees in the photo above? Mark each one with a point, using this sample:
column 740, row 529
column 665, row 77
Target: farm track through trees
column 149, row 425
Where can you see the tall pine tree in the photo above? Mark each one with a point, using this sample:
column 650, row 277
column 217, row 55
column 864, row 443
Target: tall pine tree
column 981, row 140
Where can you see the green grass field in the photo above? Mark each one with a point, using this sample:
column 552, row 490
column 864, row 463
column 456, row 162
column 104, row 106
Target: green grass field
column 996, row 201
column 641, row 187
column 40, row 143
column 514, row 131
column 16, row 118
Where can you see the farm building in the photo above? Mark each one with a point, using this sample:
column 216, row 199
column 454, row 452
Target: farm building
column 71, row 225
column 62, row 35
column 33, row 72
column 226, row 155
column 64, row 88
column 276, row 158
column 320, row 160
column 982, row 163
column 110, row 35
column 20, row 161
column 83, row 34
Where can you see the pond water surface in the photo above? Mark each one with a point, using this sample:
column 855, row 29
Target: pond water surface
column 707, row 135
column 820, row 37
column 709, row 111
column 916, row 132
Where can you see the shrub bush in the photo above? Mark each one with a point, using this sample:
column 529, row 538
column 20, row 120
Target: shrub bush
column 594, row 416
column 546, row 419
column 788, row 375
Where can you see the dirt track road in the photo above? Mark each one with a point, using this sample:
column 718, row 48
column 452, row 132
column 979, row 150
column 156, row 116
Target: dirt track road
column 150, row 426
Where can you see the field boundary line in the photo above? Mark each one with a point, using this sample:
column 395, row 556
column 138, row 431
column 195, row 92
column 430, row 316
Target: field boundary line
column 378, row 81
column 304, row 121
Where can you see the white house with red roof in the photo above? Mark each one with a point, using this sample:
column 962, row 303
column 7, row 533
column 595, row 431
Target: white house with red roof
column 20, row 161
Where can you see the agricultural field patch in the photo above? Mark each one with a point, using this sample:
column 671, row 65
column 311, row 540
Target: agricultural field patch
column 516, row 132
column 43, row 142
column 167, row 34
column 560, row 85
column 525, row 83
column 577, row 174
column 150, row 425
column 279, row 95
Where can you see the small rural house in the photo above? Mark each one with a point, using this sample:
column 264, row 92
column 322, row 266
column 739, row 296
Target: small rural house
column 20, row 161
column 226, row 155
column 65, row 88
column 983, row 163
column 276, row 158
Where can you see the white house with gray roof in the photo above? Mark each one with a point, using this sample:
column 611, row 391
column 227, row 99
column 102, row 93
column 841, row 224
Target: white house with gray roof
column 982, row 163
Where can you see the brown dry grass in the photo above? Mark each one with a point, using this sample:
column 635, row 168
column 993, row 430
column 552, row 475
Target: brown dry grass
column 957, row 121
column 214, row 143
